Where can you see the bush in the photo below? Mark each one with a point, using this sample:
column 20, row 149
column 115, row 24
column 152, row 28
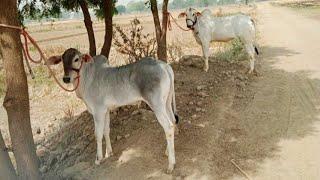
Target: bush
column 133, row 42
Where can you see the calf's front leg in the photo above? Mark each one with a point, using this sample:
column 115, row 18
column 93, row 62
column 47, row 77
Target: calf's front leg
column 205, row 51
column 99, row 123
column 107, row 135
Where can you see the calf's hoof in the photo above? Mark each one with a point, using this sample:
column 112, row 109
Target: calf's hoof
column 109, row 154
column 170, row 169
column 206, row 68
column 176, row 130
column 256, row 73
column 97, row 162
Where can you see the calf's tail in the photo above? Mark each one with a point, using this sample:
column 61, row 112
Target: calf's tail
column 256, row 49
column 173, row 96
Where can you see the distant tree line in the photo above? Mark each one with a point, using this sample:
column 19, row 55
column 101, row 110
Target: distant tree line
column 142, row 5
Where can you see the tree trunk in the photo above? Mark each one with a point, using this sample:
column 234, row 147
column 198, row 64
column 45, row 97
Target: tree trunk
column 108, row 8
column 88, row 24
column 156, row 19
column 161, row 33
column 16, row 101
column 6, row 168
column 162, row 50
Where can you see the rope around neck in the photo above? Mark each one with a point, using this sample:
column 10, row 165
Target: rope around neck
column 175, row 21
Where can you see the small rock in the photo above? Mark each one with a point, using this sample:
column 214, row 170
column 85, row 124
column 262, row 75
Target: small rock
column 52, row 160
column 191, row 103
column 40, row 151
column 203, row 94
column 199, row 103
column 239, row 96
column 43, row 169
column 233, row 139
column 203, row 110
column 118, row 138
column 194, row 116
column 200, row 87
column 135, row 112
column 50, row 125
column 240, row 77
column 201, row 125
column 198, row 109
column 64, row 156
column 241, row 84
column 126, row 136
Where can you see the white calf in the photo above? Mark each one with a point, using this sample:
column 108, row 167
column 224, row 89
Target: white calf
column 103, row 87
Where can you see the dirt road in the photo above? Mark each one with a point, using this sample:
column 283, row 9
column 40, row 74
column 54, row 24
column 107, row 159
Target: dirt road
column 286, row 104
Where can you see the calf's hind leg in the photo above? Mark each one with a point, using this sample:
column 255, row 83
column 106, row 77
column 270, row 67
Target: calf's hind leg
column 251, row 51
column 159, row 108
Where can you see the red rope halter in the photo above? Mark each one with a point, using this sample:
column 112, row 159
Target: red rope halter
column 175, row 21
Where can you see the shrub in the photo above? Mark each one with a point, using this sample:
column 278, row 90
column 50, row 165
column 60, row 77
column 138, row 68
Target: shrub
column 133, row 42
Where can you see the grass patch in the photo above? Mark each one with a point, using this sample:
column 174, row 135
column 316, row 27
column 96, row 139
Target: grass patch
column 234, row 51
column 41, row 77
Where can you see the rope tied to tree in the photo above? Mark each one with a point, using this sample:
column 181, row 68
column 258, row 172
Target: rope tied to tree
column 26, row 53
column 170, row 16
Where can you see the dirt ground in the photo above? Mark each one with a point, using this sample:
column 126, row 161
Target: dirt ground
column 268, row 124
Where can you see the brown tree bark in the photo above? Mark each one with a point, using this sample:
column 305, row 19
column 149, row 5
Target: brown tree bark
column 6, row 168
column 88, row 24
column 161, row 33
column 108, row 8
column 16, row 101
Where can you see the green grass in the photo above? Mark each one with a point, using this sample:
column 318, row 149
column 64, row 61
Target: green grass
column 234, row 51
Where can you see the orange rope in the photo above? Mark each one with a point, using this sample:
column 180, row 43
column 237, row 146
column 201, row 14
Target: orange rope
column 175, row 21
column 26, row 53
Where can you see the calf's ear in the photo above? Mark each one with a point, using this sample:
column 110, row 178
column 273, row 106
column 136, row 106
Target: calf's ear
column 181, row 15
column 198, row 14
column 53, row 60
column 87, row 58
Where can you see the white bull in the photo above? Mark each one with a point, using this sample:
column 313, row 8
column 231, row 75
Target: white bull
column 207, row 28
column 103, row 87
